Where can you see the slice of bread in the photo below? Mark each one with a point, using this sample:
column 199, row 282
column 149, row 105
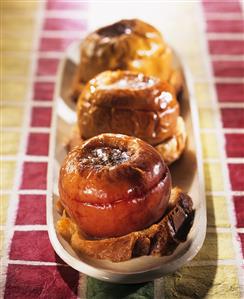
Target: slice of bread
column 159, row 239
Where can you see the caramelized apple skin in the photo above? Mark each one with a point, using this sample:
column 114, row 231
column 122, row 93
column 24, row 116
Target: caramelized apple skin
column 113, row 184
column 126, row 45
column 129, row 103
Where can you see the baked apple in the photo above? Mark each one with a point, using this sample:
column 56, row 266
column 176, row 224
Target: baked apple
column 112, row 185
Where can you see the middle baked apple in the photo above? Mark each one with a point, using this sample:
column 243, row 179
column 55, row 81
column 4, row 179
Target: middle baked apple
column 132, row 104
column 128, row 103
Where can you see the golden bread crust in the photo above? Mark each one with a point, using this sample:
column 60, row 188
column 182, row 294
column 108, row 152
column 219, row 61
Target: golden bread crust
column 171, row 149
column 159, row 239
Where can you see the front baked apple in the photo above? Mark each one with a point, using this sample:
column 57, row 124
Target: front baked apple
column 114, row 184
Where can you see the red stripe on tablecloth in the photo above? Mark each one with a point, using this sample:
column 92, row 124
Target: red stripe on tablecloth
column 43, row 91
column 47, row 67
column 228, row 47
column 34, row 175
column 27, row 281
column 236, row 172
column 38, row 144
column 32, row 246
column 242, row 242
column 227, row 26
column 221, row 6
column 55, row 44
column 232, row 117
column 228, row 68
column 65, row 5
column 64, row 24
column 32, row 282
column 234, row 145
column 239, row 208
column 230, row 92
column 31, row 210
column 41, row 116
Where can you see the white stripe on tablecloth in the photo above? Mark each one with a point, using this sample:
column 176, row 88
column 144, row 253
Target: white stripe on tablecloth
column 40, row 103
column 36, row 103
column 36, row 77
column 31, row 129
column 13, row 204
column 35, row 263
column 223, row 16
column 42, row 54
column 24, row 227
column 223, row 193
column 50, row 54
column 225, row 131
column 231, row 105
column 80, row 34
column 159, row 288
column 33, row 227
column 229, row 80
column 50, row 78
column 228, row 160
column 224, row 36
column 224, row 57
column 235, row 160
column 237, row 193
column 71, row 14
column 26, row 192
column 224, row 80
column 26, row 158
column 39, row 130
column 233, row 131
column 82, row 286
column 221, row 150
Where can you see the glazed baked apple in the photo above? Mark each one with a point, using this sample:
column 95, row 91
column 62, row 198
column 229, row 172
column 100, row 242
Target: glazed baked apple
column 126, row 45
column 116, row 200
column 112, row 185
column 129, row 103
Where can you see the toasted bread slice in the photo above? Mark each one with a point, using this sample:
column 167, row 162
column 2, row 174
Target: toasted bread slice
column 159, row 239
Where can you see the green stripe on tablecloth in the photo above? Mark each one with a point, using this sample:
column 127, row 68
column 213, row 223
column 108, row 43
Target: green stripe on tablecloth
column 97, row 289
column 210, row 281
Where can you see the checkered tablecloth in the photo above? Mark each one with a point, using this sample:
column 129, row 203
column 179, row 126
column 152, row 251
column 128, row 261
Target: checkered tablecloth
column 210, row 37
